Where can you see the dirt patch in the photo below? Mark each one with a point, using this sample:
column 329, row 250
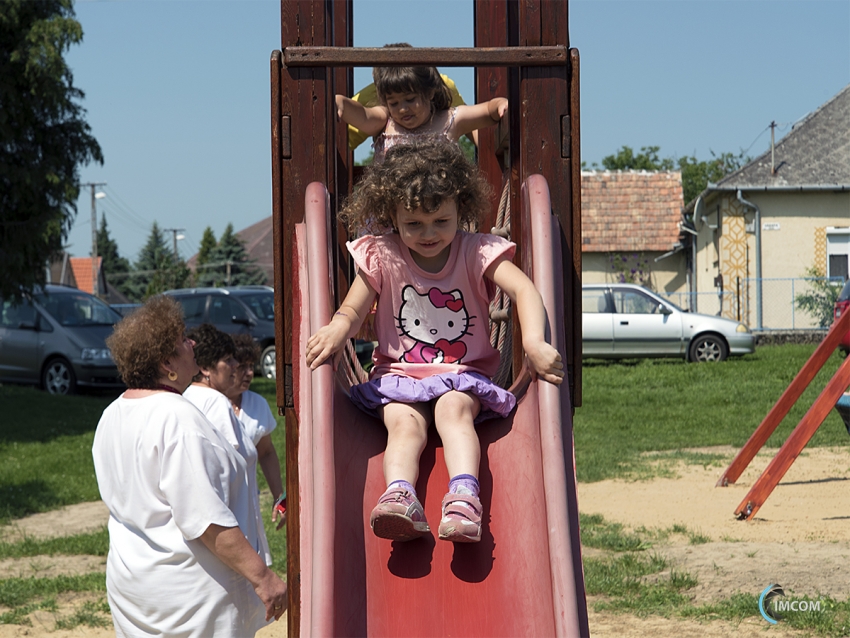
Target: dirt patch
column 74, row 519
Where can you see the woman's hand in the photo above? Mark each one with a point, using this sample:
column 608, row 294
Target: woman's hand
column 232, row 548
column 272, row 591
column 327, row 341
column 546, row 361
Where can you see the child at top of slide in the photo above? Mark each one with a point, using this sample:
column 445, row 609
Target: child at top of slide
column 415, row 101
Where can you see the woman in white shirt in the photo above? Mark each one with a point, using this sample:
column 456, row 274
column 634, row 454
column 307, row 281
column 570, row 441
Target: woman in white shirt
column 178, row 495
column 214, row 352
column 257, row 420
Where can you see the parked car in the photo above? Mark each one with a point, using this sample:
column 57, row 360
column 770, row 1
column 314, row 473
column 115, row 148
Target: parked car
column 57, row 339
column 842, row 306
column 125, row 309
column 626, row 320
column 234, row 309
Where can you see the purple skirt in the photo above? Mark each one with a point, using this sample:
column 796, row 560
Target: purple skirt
column 495, row 401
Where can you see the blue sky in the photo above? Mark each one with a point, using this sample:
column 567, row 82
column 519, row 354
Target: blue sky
column 177, row 92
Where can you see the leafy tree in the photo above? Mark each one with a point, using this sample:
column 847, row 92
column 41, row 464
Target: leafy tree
column 467, row 147
column 115, row 267
column 697, row 174
column 366, row 161
column 154, row 255
column 820, row 300
column 170, row 273
column 43, row 138
column 230, row 264
column 208, row 244
column 647, row 160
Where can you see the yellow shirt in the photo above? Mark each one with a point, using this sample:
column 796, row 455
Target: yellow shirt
column 368, row 97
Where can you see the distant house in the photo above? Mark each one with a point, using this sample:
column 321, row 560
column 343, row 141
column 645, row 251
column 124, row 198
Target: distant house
column 631, row 220
column 77, row 272
column 762, row 226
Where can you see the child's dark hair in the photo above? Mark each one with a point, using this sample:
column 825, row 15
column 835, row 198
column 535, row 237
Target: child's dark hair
column 420, row 174
column 422, row 80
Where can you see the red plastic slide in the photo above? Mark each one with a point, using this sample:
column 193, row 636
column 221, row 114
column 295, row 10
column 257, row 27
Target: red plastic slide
column 524, row 578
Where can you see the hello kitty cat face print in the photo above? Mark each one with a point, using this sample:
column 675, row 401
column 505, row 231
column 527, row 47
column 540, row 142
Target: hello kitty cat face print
column 436, row 321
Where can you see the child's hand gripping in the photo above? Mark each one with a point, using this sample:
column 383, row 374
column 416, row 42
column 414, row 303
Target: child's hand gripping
column 345, row 323
column 546, row 361
column 328, row 340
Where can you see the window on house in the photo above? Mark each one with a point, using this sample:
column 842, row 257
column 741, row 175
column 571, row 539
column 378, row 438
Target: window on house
column 838, row 252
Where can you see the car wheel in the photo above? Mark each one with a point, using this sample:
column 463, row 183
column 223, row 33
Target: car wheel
column 708, row 348
column 58, row 377
column 268, row 363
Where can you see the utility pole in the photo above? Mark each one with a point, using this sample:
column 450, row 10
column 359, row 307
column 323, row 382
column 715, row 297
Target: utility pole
column 174, row 232
column 94, row 273
column 772, row 157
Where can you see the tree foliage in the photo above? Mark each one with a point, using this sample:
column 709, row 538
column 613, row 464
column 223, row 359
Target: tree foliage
column 43, row 138
column 819, row 302
column 115, row 268
column 156, row 269
column 208, row 244
column 696, row 174
column 229, row 264
column 647, row 160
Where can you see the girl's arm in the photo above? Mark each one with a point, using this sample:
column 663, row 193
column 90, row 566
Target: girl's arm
column 344, row 324
column 476, row 116
column 270, row 463
column 371, row 120
column 545, row 360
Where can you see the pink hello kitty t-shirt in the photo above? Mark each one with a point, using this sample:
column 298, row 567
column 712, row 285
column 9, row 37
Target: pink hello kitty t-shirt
column 432, row 323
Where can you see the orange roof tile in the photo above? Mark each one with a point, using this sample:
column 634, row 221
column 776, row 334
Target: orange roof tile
column 81, row 266
column 630, row 210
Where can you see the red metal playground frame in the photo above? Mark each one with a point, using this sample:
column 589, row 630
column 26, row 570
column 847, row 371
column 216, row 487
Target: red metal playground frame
column 522, row 579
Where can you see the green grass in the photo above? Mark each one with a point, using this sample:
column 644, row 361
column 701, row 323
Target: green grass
column 92, row 544
column 657, row 405
column 45, row 450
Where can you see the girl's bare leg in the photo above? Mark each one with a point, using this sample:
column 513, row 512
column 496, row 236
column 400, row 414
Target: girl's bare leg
column 454, row 413
column 407, row 432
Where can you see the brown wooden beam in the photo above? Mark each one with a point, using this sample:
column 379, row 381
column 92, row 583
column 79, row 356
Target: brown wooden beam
column 425, row 56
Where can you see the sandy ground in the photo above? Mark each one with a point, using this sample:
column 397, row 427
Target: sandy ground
column 800, row 538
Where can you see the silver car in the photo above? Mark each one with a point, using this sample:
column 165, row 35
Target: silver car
column 57, row 340
column 622, row 321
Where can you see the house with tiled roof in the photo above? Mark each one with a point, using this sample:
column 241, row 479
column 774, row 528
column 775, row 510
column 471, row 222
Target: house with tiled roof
column 630, row 229
column 77, row 272
column 759, row 229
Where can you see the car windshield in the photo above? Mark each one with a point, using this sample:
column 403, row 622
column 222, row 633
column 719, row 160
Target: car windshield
column 78, row 309
column 261, row 304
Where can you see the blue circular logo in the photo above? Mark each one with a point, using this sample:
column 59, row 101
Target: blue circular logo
column 770, row 592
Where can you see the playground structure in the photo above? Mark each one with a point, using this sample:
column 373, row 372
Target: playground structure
column 525, row 576
column 804, row 431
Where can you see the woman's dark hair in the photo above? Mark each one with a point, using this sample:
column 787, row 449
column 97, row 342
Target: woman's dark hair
column 247, row 350
column 422, row 80
column 211, row 346
column 144, row 340
column 419, row 174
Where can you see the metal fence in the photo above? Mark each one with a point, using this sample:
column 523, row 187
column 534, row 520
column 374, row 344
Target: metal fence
column 762, row 304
